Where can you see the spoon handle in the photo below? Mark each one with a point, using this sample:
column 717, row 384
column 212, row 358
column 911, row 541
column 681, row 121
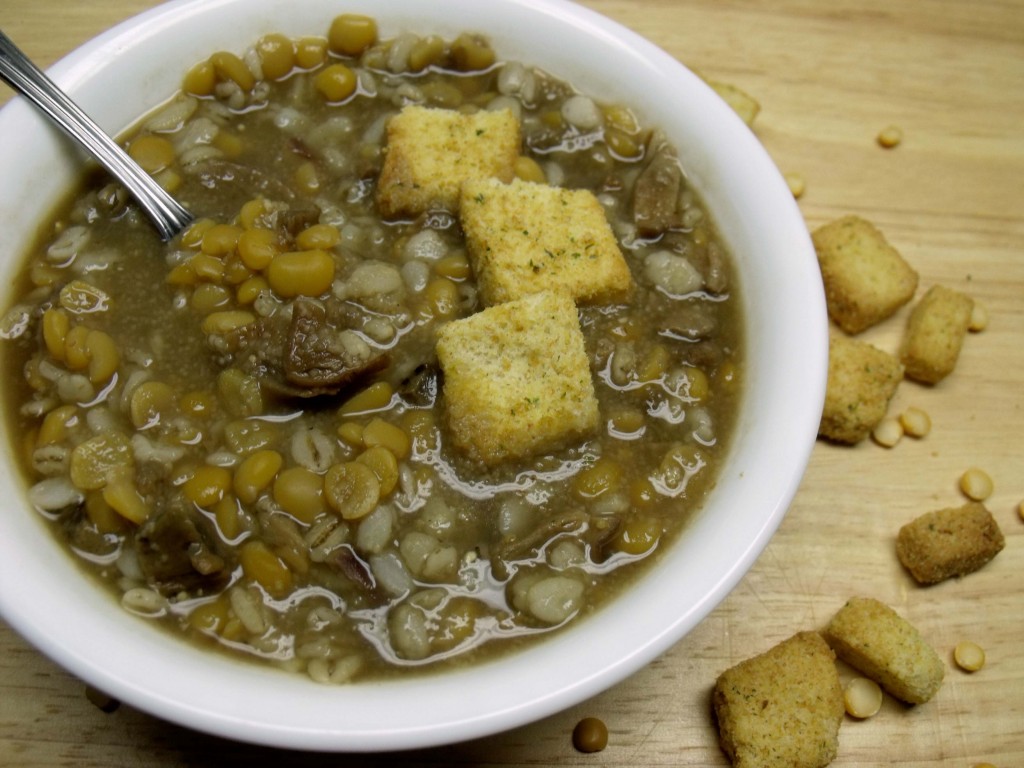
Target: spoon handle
column 26, row 78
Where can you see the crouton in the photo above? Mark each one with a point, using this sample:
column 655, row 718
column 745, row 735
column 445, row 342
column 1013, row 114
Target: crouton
column 430, row 152
column 871, row 637
column 525, row 237
column 861, row 381
column 866, row 279
column 949, row 542
column 935, row 333
column 517, row 378
column 782, row 708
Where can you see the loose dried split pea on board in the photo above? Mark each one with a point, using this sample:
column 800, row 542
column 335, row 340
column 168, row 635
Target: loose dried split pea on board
column 890, row 136
column 796, row 183
column 862, row 697
column 976, row 484
column 888, row 432
column 915, row 422
column 979, row 319
column 969, row 656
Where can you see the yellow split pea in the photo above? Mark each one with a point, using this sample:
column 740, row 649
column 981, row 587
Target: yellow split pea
column 351, row 34
column 969, row 656
column 797, row 185
column 277, row 56
column 352, row 489
column 915, row 422
column 890, row 136
column 301, row 273
column 888, row 432
column 976, row 484
column 336, row 83
column 862, row 697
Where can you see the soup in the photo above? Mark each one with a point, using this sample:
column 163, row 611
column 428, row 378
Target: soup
column 246, row 433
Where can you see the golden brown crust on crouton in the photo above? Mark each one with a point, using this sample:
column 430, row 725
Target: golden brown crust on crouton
column 935, row 333
column 949, row 542
column 430, row 152
column 871, row 637
column 866, row 280
column 861, row 381
column 517, row 378
column 525, row 237
column 782, row 708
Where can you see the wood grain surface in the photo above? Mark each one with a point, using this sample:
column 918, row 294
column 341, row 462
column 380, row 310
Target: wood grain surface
column 829, row 74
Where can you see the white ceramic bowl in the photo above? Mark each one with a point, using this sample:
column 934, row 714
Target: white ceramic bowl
column 44, row 596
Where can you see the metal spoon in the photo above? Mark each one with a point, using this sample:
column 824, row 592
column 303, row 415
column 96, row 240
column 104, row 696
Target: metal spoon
column 166, row 213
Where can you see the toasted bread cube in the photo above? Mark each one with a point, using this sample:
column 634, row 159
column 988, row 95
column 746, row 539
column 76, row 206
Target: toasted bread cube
column 870, row 636
column 935, row 333
column 866, row 279
column 526, row 237
column 861, row 381
column 430, row 152
column 517, row 378
column 782, row 708
column 949, row 542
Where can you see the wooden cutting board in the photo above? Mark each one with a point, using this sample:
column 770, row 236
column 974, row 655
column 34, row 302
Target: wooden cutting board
column 829, row 76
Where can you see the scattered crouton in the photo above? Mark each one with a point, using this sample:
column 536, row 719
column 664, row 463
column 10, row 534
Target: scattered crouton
column 935, row 333
column 525, row 237
column 430, row 152
column 782, row 708
column 871, row 637
column 742, row 103
column 866, row 279
column 949, row 542
column 517, row 378
column 861, row 381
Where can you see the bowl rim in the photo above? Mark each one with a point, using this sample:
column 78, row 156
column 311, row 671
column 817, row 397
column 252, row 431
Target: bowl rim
column 553, row 675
